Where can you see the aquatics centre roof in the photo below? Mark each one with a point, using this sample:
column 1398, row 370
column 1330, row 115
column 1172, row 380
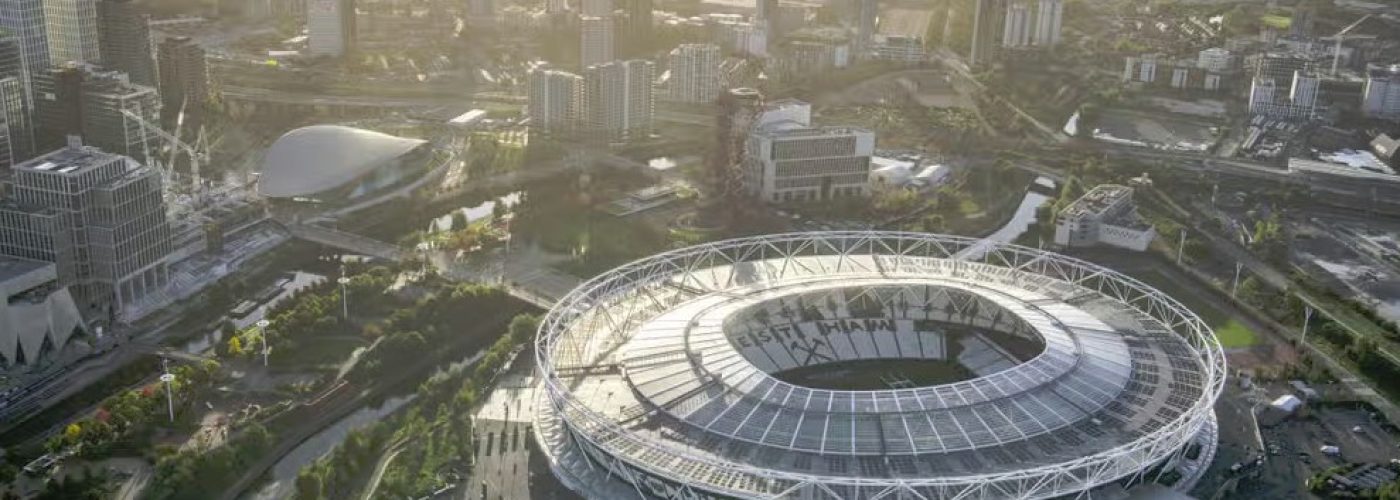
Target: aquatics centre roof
column 320, row 158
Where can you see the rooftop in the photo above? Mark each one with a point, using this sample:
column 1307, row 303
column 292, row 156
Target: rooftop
column 11, row 268
column 319, row 158
column 1098, row 200
column 70, row 161
column 791, row 133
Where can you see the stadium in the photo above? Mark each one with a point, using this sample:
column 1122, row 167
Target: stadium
column 873, row 365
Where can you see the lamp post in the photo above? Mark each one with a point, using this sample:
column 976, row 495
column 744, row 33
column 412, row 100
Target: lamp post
column 169, row 379
column 262, row 325
column 344, row 298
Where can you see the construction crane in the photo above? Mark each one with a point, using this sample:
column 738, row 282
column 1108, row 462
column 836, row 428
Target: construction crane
column 1342, row 36
column 197, row 155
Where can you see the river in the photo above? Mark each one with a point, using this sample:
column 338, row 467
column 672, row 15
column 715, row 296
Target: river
column 483, row 210
column 284, row 473
column 1019, row 223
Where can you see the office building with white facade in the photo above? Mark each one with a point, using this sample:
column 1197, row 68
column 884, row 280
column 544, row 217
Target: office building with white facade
column 99, row 217
column 1106, row 215
column 740, row 36
column 695, row 73
column 1299, row 101
column 16, row 125
column 813, row 50
column 330, row 27
column 24, row 19
column 596, row 8
column 1017, row 31
column 554, row 101
column 1183, row 74
column 596, row 44
column 1380, row 97
column 72, row 31
column 1049, row 17
column 788, row 160
column 16, row 132
column 619, row 100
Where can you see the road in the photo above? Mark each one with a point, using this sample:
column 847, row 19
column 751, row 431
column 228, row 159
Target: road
column 320, row 99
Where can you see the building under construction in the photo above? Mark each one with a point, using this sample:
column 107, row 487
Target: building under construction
column 739, row 109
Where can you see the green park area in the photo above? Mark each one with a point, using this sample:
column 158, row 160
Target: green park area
column 1277, row 21
column 1232, row 333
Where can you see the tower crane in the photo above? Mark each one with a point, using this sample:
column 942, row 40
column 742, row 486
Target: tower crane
column 1343, row 36
column 197, row 155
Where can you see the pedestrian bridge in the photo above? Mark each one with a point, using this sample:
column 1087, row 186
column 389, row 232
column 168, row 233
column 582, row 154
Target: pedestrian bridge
column 349, row 242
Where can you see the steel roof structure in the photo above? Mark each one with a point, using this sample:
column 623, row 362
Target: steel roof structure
column 664, row 372
column 319, row 158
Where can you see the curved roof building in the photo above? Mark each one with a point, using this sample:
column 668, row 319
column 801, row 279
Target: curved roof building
column 323, row 160
column 37, row 316
column 866, row 365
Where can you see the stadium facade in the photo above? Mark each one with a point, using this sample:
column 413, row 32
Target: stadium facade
column 742, row 369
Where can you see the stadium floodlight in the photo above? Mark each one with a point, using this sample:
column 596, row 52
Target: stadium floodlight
column 168, row 379
column 344, row 297
column 1078, row 376
column 262, row 325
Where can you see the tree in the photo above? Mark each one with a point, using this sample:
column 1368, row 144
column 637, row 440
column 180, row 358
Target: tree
column 522, row 328
column 72, row 433
column 459, row 220
column 309, row 484
column 1268, row 239
column 235, row 346
column 499, row 209
column 896, row 201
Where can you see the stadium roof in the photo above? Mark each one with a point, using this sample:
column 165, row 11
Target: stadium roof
column 319, row 158
column 671, row 366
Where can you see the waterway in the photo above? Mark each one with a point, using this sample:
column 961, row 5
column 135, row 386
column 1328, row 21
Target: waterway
column 284, row 474
column 474, row 213
column 1023, row 218
column 1019, row 223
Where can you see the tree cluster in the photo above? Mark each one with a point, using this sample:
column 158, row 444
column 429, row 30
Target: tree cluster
column 124, row 422
column 434, row 435
column 193, row 474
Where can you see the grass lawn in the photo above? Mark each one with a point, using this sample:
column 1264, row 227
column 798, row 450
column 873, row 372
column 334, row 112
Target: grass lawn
column 1277, row 21
column 1232, row 333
